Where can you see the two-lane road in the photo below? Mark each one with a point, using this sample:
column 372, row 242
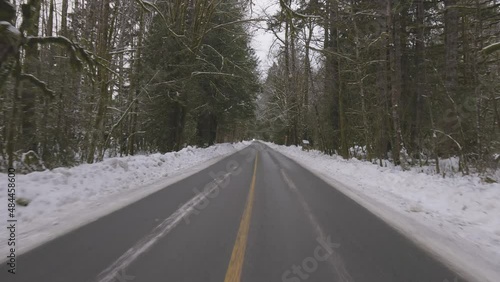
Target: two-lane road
column 267, row 220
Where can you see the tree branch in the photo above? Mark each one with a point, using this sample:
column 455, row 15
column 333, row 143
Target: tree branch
column 74, row 49
column 235, row 22
column 40, row 84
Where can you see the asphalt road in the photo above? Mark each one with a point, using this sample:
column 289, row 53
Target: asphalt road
column 267, row 219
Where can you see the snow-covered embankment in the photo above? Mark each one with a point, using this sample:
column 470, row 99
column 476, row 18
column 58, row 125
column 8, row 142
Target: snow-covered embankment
column 457, row 217
column 64, row 198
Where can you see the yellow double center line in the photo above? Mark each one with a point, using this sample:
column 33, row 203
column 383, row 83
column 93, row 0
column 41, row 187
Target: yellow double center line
column 235, row 267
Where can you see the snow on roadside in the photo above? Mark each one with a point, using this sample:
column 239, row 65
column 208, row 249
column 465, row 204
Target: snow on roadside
column 462, row 210
column 64, row 198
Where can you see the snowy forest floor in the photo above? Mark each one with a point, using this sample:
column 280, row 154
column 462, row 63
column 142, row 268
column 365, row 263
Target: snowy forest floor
column 457, row 217
column 63, row 199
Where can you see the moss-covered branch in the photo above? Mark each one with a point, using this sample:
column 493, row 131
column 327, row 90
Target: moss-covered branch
column 75, row 51
column 40, row 84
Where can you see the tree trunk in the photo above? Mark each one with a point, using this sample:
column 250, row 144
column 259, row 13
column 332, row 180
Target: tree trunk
column 451, row 45
column 30, row 66
column 393, row 22
column 307, row 82
column 360, row 82
column 420, row 85
column 135, row 89
column 103, row 76
column 332, row 69
column 383, row 86
column 12, row 133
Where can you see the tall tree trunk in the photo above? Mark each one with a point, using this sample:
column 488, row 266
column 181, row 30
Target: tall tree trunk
column 64, row 18
column 360, row 82
column 62, row 130
column 451, row 70
column 451, row 45
column 135, row 88
column 308, row 81
column 12, row 133
column 31, row 65
column 103, row 76
column 50, row 21
column 295, row 93
column 420, row 85
column 477, row 82
column 383, row 85
column 288, row 88
column 393, row 22
column 332, row 69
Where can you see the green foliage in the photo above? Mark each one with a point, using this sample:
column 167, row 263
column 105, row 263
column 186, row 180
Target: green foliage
column 208, row 88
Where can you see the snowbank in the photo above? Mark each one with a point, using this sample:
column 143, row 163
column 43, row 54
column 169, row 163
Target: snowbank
column 461, row 214
column 65, row 198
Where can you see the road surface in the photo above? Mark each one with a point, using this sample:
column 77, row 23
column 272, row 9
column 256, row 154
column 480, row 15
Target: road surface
column 264, row 219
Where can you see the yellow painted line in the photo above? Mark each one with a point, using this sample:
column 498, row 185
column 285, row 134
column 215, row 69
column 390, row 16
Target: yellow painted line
column 235, row 267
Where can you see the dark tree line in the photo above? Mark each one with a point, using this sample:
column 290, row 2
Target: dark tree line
column 410, row 81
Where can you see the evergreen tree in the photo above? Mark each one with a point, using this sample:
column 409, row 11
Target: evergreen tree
column 204, row 93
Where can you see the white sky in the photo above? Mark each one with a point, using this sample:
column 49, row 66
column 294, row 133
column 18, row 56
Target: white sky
column 263, row 40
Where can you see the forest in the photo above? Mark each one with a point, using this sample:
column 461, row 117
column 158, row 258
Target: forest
column 115, row 78
column 410, row 81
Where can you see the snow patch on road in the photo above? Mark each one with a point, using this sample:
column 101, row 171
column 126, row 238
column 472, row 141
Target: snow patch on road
column 457, row 217
column 63, row 199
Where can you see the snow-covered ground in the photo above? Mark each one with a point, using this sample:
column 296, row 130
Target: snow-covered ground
column 64, row 198
column 457, row 217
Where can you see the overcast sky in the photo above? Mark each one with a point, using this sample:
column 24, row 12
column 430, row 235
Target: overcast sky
column 262, row 40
